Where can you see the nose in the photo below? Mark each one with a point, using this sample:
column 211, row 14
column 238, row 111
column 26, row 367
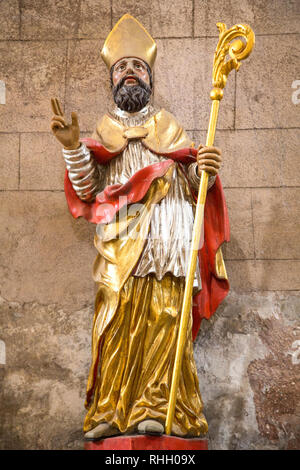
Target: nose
column 129, row 69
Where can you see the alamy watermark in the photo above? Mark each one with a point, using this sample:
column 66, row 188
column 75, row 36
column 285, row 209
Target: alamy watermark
column 2, row 352
column 2, row 92
column 296, row 93
column 128, row 221
column 295, row 354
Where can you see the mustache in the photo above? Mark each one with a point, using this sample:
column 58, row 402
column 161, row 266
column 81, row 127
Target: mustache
column 131, row 75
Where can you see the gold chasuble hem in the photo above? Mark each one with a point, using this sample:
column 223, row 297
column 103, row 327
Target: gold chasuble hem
column 137, row 360
column 220, row 265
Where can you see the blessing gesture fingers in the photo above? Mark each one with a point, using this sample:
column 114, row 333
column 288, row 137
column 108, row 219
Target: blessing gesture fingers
column 209, row 159
column 66, row 134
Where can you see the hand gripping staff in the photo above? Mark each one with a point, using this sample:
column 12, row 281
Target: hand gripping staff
column 238, row 42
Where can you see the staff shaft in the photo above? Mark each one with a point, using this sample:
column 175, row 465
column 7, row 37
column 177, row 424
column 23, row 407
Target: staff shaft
column 229, row 43
column 188, row 292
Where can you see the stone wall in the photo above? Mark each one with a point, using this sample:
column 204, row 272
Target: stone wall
column 248, row 354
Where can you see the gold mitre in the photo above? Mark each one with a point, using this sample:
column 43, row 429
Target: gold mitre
column 128, row 38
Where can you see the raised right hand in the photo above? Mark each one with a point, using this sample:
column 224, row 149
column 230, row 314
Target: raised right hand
column 66, row 134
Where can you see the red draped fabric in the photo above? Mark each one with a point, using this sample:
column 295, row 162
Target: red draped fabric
column 216, row 223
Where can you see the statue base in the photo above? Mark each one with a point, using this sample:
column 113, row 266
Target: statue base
column 147, row 442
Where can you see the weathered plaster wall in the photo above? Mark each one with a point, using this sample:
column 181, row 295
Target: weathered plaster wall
column 248, row 355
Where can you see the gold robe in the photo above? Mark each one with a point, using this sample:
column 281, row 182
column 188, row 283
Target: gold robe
column 136, row 324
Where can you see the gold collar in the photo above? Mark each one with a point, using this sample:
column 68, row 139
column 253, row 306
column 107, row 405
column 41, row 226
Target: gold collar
column 161, row 133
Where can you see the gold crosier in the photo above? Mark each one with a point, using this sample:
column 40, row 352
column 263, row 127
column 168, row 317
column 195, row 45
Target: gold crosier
column 238, row 50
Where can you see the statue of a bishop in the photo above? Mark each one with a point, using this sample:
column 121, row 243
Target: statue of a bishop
column 137, row 179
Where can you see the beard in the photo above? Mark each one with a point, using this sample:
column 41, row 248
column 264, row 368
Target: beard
column 131, row 98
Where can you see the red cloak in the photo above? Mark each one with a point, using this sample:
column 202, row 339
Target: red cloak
column 216, row 223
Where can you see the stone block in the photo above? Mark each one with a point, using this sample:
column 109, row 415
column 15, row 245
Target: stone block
column 9, row 161
column 276, row 215
column 9, row 20
column 161, row 19
column 67, row 19
column 259, row 158
column 88, row 89
column 247, row 366
column 46, row 255
column 263, row 275
column 264, row 84
column 42, row 165
column 280, row 16
column 48, row 355
column 290, row 154
column 33, row 73
column 50, row 20
column 199, row 137
column 183, row 82
column 95, row 19
column 239, row 206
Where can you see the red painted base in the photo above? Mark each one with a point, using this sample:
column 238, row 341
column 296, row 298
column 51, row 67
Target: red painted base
column 147, row 443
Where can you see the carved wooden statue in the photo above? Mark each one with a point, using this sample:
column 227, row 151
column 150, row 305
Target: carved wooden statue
column 137, row 179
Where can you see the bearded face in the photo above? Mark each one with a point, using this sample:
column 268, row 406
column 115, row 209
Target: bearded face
column 131, row 84
column 131, row 98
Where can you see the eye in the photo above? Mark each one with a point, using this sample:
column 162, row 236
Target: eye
column 120, row 67
column 138, row 66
